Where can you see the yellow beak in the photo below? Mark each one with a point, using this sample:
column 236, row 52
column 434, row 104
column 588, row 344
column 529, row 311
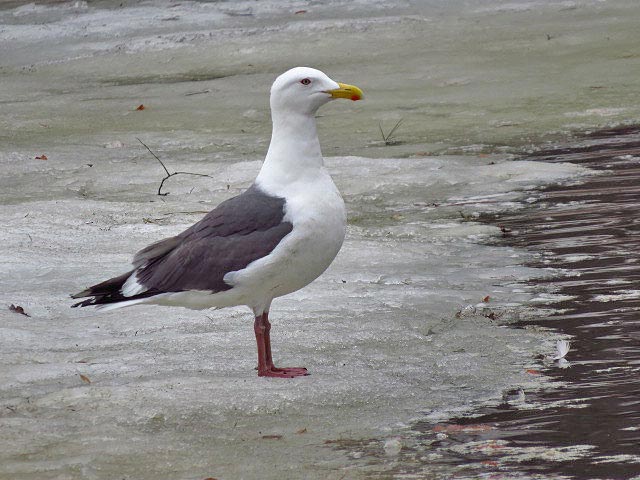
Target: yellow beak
column 346, row 91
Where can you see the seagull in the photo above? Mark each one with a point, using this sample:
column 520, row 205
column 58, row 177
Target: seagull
column 273, row 239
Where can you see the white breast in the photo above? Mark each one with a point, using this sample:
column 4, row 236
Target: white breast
column 318, row 215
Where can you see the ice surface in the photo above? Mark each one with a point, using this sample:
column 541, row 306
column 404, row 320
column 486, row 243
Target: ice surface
column 395, row 330
column 379, row 330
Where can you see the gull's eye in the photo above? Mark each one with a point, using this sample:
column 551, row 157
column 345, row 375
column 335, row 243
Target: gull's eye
column 305, row 81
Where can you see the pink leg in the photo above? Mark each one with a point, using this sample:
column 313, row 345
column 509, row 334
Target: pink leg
column 266, row 368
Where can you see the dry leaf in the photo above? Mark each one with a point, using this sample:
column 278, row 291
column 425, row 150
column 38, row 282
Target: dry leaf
column 140, row 107
column 301, row 431
column 84, row 378
column 533, row 372
column 299, row 12
column 18, row 309
column 271, row 437
column 486, row 299
column 210, row 478
column 42, row 157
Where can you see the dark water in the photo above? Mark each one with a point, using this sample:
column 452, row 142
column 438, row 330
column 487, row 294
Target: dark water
column 589, row 426
column 586, row 424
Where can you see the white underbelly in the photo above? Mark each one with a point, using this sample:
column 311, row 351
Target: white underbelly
column 319, row 222
column 307, row 254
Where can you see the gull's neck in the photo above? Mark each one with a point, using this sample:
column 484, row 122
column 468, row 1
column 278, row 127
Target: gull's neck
column 294, row 152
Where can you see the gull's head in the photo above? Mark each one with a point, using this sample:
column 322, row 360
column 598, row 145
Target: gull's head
column 304, row 90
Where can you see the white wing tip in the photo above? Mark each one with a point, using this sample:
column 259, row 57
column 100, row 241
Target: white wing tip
column 132, row 287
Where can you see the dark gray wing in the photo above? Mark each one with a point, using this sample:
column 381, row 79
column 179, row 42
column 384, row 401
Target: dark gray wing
column 154, row 251
column 230, row 237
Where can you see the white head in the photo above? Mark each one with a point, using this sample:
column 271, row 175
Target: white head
column 294, row 151
column 304, row 90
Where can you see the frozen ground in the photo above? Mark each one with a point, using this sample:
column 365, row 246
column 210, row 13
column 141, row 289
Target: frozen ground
column 172, row 393
column 378, row 331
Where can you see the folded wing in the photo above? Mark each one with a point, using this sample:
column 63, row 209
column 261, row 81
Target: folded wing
column 230, row 237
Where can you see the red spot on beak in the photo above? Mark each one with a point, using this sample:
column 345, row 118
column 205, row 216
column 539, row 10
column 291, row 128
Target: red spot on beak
column 355, row 97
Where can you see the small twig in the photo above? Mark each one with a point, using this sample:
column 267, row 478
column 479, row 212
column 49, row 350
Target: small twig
column 387, row 138
column 189, row 173
column 395, row 127
column 382, row 133
column 169, row 175
column 197, row 93
column 145, row 146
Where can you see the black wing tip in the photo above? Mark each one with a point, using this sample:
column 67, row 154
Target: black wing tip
column 97, row 300
column 104, row 292
column 82, row 294
column 85, row 303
